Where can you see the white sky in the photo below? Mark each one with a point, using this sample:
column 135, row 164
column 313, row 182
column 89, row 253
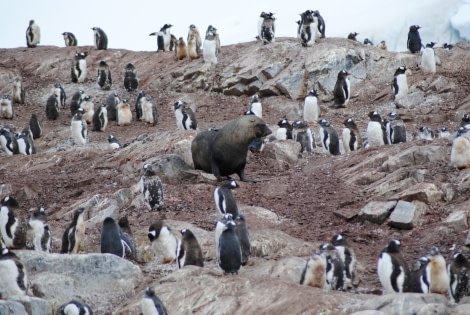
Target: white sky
column 128, row 23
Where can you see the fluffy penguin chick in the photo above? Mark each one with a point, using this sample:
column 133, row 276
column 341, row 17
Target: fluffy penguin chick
column 39, row 226
column 164, row 242
column 460, row 152
column 314, row 273
column 151, row 188
column 437, row 272
column 459, row 274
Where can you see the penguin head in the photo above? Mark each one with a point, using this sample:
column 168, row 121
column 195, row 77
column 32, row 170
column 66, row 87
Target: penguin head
column 316, row 13
column 298, row 124
column 103, row 63
column 368, row 42
column 154, row 230
column 6, row 97
column 343, row 74
column 401, row 70
column 230, row 225
column 430, row 45
column 262, row 15
column 459, row 259
column 150, row 291
column 10, row 202
column 326, row 247
column 349, row 123
column 465, row 118
column 178, row 104
column 37, row 211
column 313, row 93
column 337, row 240
column 187, row 234
column 232, row 184
column 149, row 98
column 141, row 94
column 148, row 169
column 324, row 123
column 192, row 27
column 283, row 123
column 165, row 27
column 31, row 22
column 57, row 85
column 255, row 98
column 461, row 131
column 423, row 261
column 374, row 116
column 393, row 246
column 414, row 28
column 393, row 116
column 353, row 35
column 434, row 251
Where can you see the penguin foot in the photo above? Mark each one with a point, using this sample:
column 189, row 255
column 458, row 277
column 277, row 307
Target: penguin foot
column 169, row 261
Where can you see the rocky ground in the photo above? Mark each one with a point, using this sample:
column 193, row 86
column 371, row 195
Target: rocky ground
column 315, row 197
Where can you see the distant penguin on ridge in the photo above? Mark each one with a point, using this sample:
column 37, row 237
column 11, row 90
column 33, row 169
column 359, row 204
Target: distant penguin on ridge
column 181, row 50
column 414, row 39
column 320, row 23
column 210, row 51
column 429, row 59
column 101, row 39
column 307, row 28
column 79, row 67
column 194, row 42
column 131, row 82
column 70, row 39
column 33, row 34
column 268, row 28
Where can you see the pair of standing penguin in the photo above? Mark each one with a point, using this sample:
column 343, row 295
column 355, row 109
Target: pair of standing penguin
column 333, row 267
column 310, row 26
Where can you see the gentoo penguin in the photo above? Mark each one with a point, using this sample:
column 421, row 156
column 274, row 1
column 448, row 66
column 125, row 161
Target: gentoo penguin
column 88, row 109
column 459, row 275
column 151, row 188
column 348, row 256
column 426, row 133
column 419, row 281
column 163, row 38
column 14, row 279
column 8, row 140
column 33, row 34
column 256, row 107
column 311, row 109
column 138, row 105
column 209, row 49
column 353, row 36
column 314, row 273
column 151, row 304
column 414, row 40
column 12, row 229
column 303, row 134
column 74, row 307
column 189, row 252
column 124, row 114
column 113, row 240
column 465, row 121
column 100, row 118
column 243, row 237
column 429, row 59
column 181, row 51
column 260, row 22
column 307, row 28
column 284, row 131
column 448, row 46
column 164, row 242
column 219, row 228
column 268, row 29
column 399, row 83
column 58, row 90
column 131, row 82
column 329, row 137
column 229, row 250
column 41, row 238
column 194, row 42
column 101, row 39
column 392, row 269
column 18, row 91
column 35, row 126
column 185, row 118
column 74, row 234
column 113, row 142
column 79, row 69
column 342, row 89
column 79, row 128
column 112, row 102
column 149, row 111
column 320, row 23
column 25, row 143
column 125, row 226
column 382, row 45
column 70, row 39
column 437, row 272
column 351, row 136
column 52, row 107
column 444, row 133
column 335, row 272
column 376, row 132
column 77, row 98
column 224, row 200
column 104, row 76
column 6, row 107
column 396, row 130
column 368, row 42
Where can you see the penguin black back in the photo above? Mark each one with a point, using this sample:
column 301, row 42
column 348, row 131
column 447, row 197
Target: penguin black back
column 35, row 126
column 190, row 250
column 230, row 254
column 130, row 77
column 414, row 39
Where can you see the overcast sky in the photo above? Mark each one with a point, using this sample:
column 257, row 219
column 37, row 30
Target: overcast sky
column 128, row 23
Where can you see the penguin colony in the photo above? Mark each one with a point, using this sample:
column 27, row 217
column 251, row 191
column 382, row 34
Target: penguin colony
column 331, row 266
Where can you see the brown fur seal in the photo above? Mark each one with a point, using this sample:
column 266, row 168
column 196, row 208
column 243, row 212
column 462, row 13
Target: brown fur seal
column 224, row 152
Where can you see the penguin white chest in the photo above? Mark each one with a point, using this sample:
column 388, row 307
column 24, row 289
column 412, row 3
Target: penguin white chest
column 311, row 110
column 375, row 134
column 209, row 52
column 4, row 233
column 428, row 60
column 165, row 245
column 9, row 278
column 402, row 86
column 384, row 270
column 37, row 228
column 83, row 70
column 76, row 129
column 148, row 307
column 257, row 109
column 179, row 119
